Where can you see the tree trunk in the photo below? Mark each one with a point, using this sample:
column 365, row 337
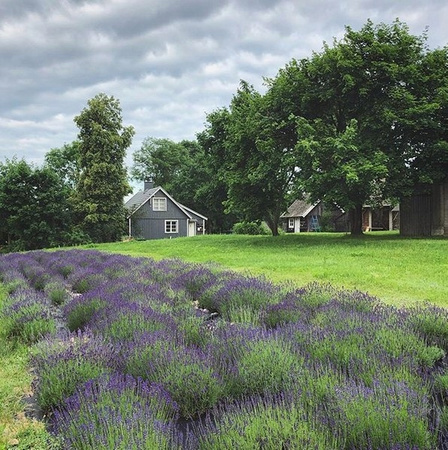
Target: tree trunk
column 356, row 220
column 272, row 223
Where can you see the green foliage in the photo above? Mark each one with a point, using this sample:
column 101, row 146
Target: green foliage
column 57, row 292
column 60, row 380
column 213, row 192
column 64, row 162
column 183, row 377
column 26, row 321
column 258, row 170
column 121, row 413
column 368, row 422
column 63, row 365
column 161, row 160
column 251, row 228
column 266, row 366
column 33, row 207
column 102, row 183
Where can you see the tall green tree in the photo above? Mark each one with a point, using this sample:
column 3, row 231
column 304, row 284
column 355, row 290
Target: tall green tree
column 33, row 206
column 261, row 167
column 102, row 183
column 428, row 132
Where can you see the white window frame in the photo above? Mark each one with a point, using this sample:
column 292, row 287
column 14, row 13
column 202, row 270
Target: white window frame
column 159, row 204
column 291, row 222
column 169, row 228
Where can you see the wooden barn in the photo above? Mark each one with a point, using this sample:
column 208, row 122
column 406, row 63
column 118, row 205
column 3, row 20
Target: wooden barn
column 425, row 213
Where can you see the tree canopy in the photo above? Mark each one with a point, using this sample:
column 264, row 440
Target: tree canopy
column 367, row 117
column 33, row 207
column 102, row 182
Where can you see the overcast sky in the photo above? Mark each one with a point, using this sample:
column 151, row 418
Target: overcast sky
column 169, row 62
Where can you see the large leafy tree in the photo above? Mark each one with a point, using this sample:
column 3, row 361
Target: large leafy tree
column 102, row 183
column 428, row 162
column 261, row 167
column 33, row 207
column 361, row 98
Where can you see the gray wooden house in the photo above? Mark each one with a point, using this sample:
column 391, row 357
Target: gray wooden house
column 154, row 214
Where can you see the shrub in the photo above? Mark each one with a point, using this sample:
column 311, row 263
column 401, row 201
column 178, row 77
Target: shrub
column 79, row 311
column 242, row 299
column 56, row 292
column 251, row 228
column 383, row 416
column 267, row 365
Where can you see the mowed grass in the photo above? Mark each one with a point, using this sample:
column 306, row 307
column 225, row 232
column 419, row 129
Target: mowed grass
column 398, row 270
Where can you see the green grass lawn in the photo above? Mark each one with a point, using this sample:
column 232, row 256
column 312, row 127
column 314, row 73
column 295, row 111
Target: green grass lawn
column 398, row 270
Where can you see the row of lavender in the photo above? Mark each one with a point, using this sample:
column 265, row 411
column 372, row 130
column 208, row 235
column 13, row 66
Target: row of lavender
column 172, row 355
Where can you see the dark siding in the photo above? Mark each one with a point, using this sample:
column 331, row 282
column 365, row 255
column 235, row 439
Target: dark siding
column 155, row 228
column 426, row 212
column 415, row 215
column 149, row 224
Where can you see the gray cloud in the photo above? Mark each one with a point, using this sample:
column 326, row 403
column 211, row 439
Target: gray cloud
column 169, row 63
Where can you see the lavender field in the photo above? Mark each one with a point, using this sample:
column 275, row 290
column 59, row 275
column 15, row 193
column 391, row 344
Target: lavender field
column 130, row 353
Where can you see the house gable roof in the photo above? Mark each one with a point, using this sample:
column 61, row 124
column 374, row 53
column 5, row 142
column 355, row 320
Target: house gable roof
column 300, row 208
column 142, row 197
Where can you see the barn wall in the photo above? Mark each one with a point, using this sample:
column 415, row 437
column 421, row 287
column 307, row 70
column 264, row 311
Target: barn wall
column 426, row 212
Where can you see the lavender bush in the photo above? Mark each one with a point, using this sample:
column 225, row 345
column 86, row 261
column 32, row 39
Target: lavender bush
column 270, row 422
column 64, row 362
column 118, row 411
column 26, row 316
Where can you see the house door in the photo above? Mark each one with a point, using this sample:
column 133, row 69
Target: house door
column 192, row 229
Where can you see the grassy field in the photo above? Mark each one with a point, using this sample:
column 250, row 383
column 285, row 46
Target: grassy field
column 397, row 270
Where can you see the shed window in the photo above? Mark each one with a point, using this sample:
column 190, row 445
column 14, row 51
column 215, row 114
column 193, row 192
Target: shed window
column 159, row 204
column 291, row 223
column 171, row 226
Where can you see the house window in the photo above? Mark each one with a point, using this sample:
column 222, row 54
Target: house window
column 159, row 204
column 291, row 223
column 171, row 226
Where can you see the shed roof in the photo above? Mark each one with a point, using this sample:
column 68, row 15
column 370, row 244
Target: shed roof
column 300, row 208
